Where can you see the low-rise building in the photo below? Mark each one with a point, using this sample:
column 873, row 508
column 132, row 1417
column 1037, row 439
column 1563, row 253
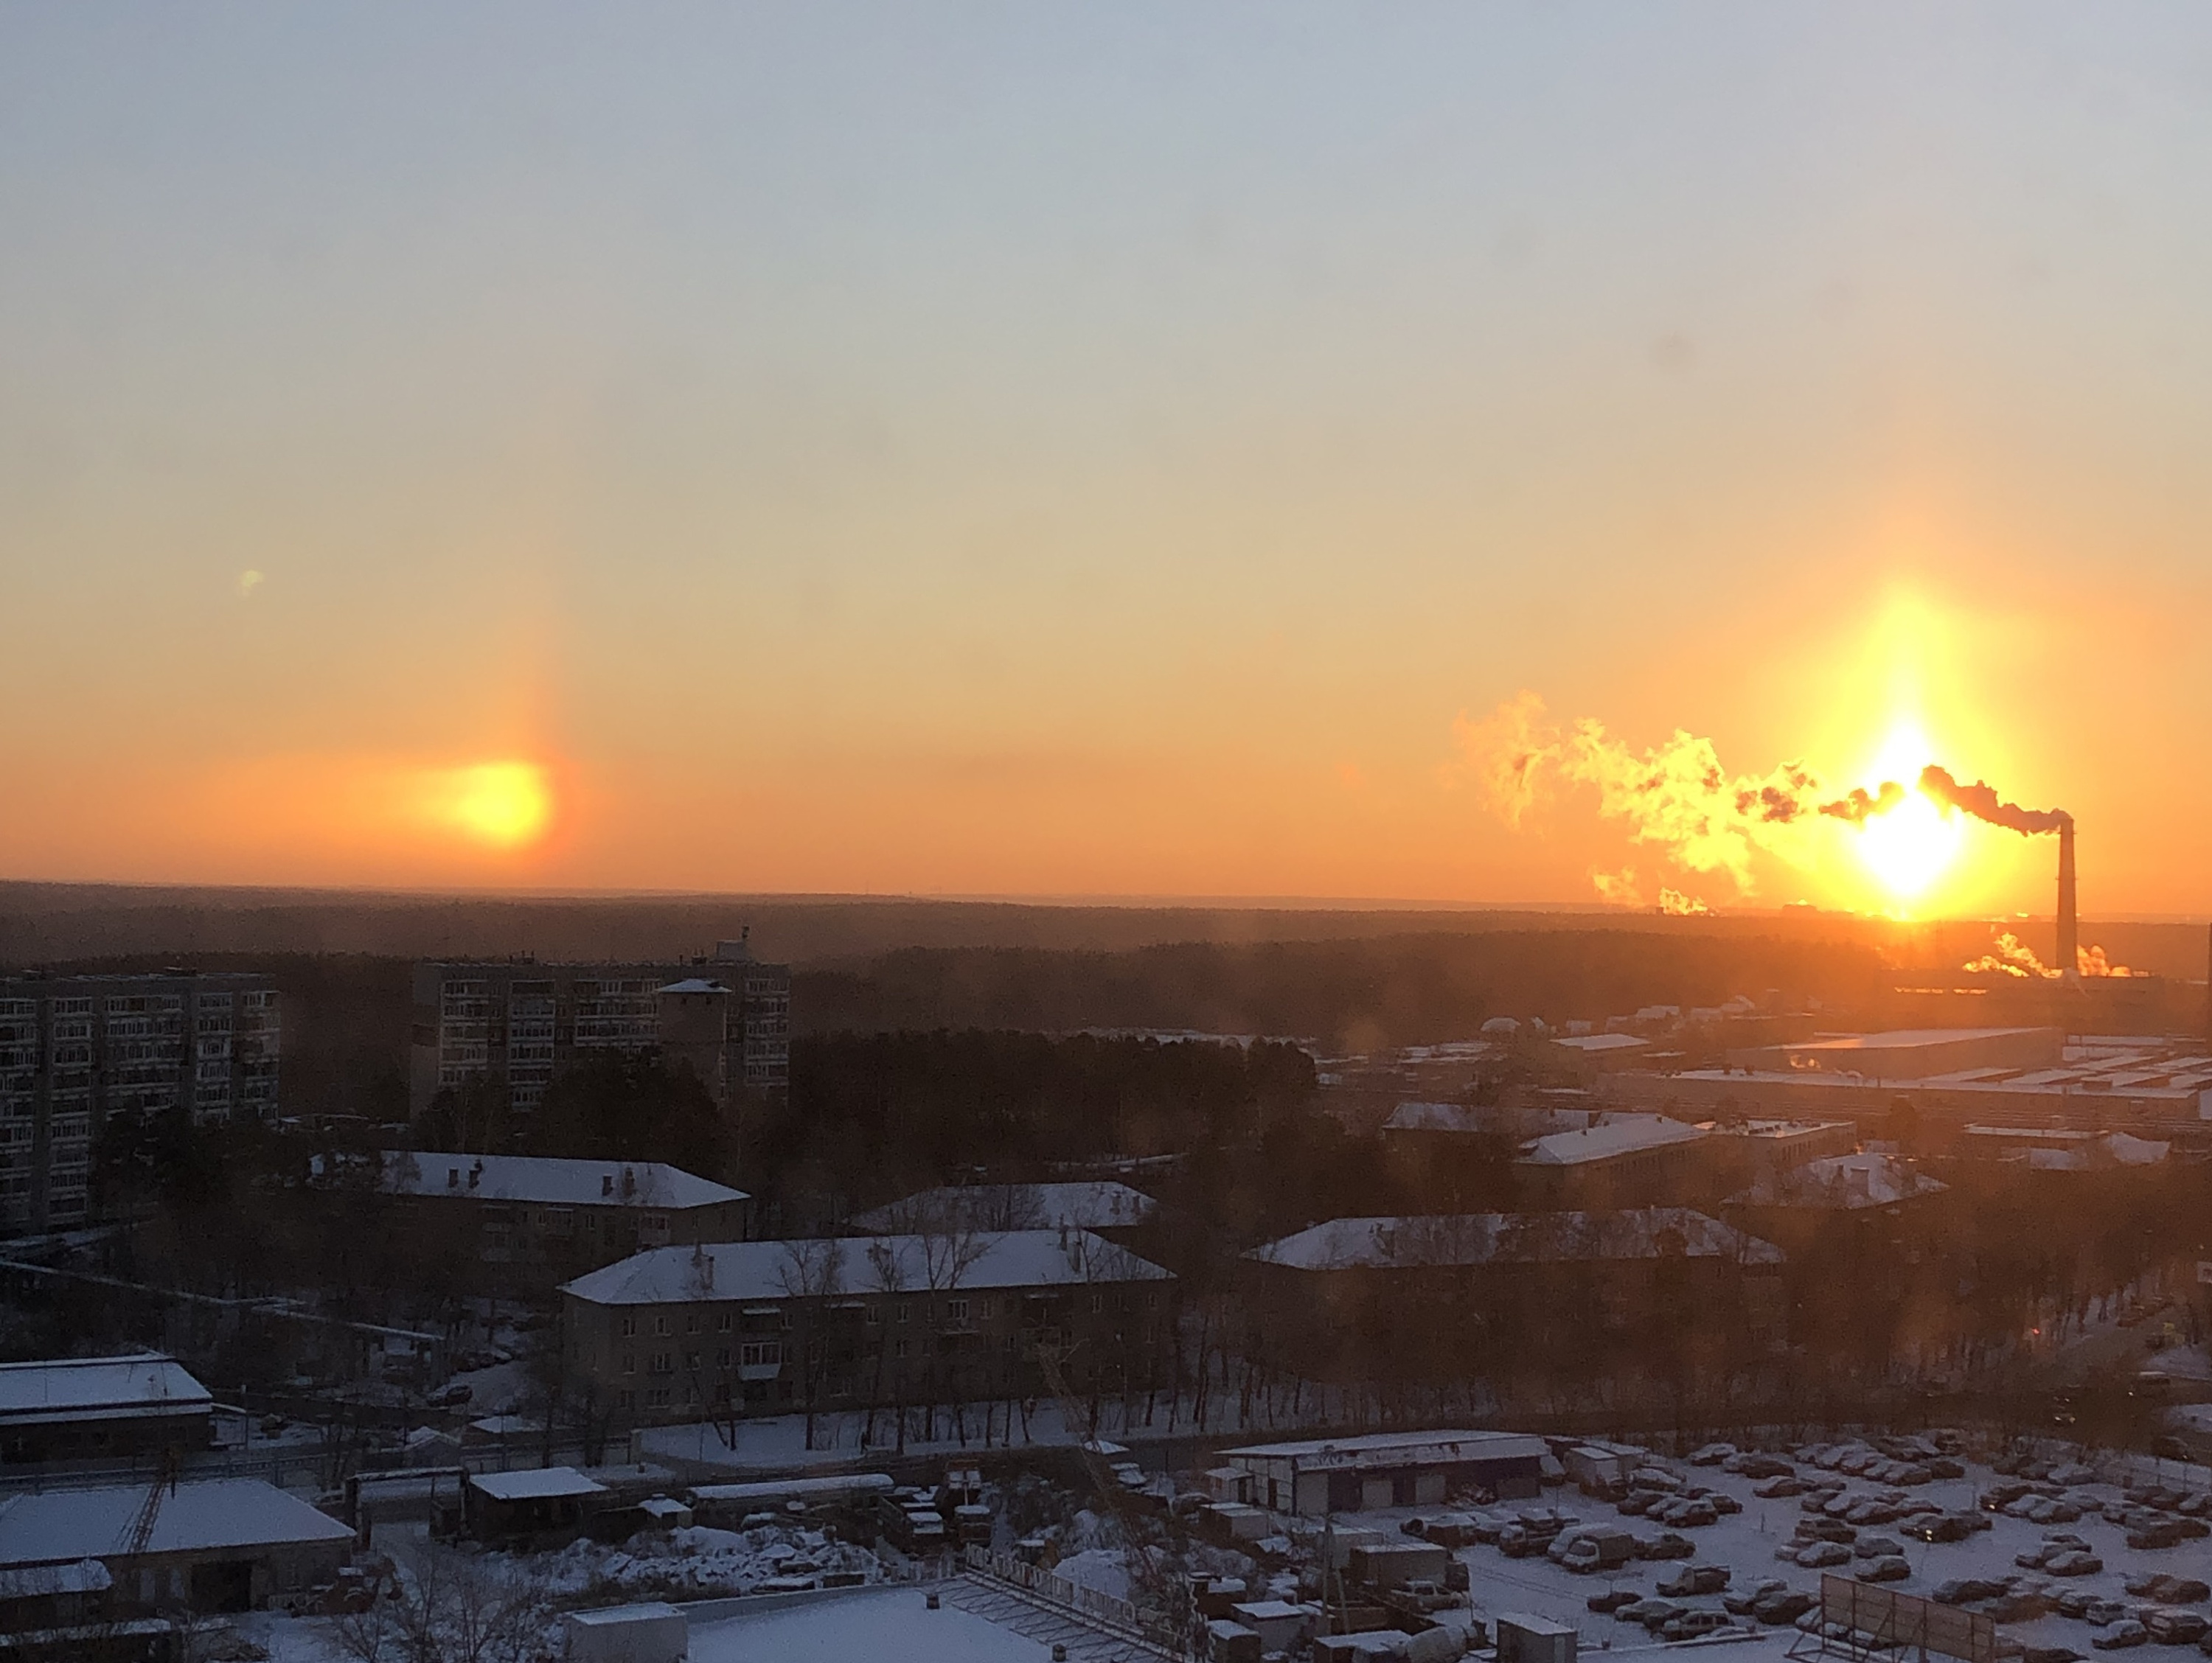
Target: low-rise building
column 531, row 1221
column 846, row 1322
column 81, row 1409
column 540, row 1506
column 1093, row 1204
column 1747, row 1152
column 1310, row 1477
column 215, row 1545
column 1439, row 1298
column 1620, row 1160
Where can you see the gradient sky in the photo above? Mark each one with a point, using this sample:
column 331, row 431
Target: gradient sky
column 1028, row 449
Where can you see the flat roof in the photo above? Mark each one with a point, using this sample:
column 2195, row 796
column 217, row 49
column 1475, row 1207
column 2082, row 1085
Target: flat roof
column 1438, row 1448
column 547, row 1180
column 42, row 1526
column 140, row 1386
column 535, row 1484
column 1910, row 1039
column 1603, row 1042
column 858, row 1266
column 1621, row 1134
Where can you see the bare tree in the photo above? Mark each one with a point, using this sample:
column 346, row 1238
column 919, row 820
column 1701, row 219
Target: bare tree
column 449, row 1607
column 812, row 1273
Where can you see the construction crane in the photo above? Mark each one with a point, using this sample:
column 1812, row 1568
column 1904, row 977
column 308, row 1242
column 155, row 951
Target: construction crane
column 1163, row 1590
column 141, row 1531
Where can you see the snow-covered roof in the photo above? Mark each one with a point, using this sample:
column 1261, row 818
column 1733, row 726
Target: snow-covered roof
column 1842, row 1182
column 1085, row 1204
column 1598, row 1044
column 2110, row 1149
column 536, row 1484
column 42, row 1526
column 1433, row 1117
column 546, row 1181
column 695, row 984
column 1492, row 1238
column 97, row 1388
column 860, row 1265
column 1434, row 1448
column 1623, row 1134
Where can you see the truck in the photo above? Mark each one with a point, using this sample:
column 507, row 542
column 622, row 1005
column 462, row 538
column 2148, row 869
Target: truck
column 1590, row 1551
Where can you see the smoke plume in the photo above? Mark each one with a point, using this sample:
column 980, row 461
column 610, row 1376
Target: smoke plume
column 1861, row 805
column 1983, row 803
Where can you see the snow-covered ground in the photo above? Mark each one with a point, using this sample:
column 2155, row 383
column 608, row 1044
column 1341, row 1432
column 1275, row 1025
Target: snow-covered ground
column 889, row 1625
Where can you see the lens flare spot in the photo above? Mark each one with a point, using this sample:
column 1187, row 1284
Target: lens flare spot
column 1913, row 845
column 502, row 805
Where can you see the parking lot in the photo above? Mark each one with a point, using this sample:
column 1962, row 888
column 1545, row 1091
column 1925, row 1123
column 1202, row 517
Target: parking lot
column 1734, row 1545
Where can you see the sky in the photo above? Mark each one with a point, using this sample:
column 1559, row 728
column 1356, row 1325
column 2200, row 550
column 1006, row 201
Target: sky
column 1129, row 450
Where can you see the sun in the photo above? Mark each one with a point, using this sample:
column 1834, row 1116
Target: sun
column 504, row 806
column 1908, row 849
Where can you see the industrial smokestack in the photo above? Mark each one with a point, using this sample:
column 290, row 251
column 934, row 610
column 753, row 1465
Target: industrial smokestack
column 2069, row 933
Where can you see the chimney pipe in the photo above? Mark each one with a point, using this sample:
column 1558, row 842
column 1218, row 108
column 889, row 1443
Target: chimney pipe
column 2069, row 933
column 2208, row 988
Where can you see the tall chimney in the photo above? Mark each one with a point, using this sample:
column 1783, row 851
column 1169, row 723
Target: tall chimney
column 2068, row 934
column 2208, row 989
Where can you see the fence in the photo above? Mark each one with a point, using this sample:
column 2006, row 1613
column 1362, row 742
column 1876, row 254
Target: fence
column 1878, row 1622
column 1099, row 1607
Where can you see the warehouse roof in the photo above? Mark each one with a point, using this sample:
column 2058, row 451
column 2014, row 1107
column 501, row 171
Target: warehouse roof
column 42, row 1526
column 1490, row 1238
column 97, row 1388
column 1621, row 1134
column 546, row 1181
column 1090, row 1204
column 860, row 1265
column 1842, row 1183
column 1432, row 1448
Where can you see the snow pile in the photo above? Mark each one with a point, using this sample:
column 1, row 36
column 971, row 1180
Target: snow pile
column 697, row 1562
column 1102, row 1570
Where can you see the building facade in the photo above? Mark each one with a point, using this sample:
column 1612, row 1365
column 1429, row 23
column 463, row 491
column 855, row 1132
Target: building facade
column 513, row 1025
column 82, row 1409
column 77, row 1052
column 845, row 1323
column 529, row 1222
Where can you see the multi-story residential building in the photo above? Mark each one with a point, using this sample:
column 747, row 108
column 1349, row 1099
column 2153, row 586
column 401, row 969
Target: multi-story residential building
column 525, row 1223
column 844, row 1323
column 77, row 1052
column 513, row 1025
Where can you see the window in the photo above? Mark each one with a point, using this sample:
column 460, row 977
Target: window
column 722, row 1323
column 898, row 1348
column 625, row 1399
column 1097, row 1304
column 722, row 1357
column 660, row 1324
column 664, row 1362
column 629, row 1362
column 875, row 1316
column 691, row 1323
column 760, row 1354
column 956, row 1310
column 628, row 1328
column 691, row 1359
column 905, row 1309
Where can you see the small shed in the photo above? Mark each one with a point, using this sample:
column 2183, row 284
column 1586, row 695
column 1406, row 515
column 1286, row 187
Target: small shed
column 544, row 1506
column 653, row 1632
column 1229, row 1642
column 1279, row 1624
column 1525, row 1639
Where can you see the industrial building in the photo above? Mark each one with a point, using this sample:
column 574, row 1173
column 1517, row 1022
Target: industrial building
column 212, row 1545
column 1912, row 1053
column 1388, row 1469
column 77, row 1052
column 81, row 1409
column 511, row 1025
column 691, row 1333
column 533, row 1220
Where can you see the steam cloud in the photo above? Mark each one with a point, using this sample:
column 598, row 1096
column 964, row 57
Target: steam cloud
column 1677, row 797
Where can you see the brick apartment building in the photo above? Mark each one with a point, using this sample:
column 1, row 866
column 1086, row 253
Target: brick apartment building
column 687, row 1334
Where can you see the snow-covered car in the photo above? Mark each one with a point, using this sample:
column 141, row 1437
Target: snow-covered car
column 1890, row 1568
column 1820, row 1556
column 2168, row 1590
column 1691, row 1624
column 1665, row 1545
column 1741, row 1602
column 1780, row 1486
column 1785, row 1606
column 1641, row 1610
column 1712, row 1454
column 1876, row 1547
column 1826, row 1529
column 1606, row 1604
column 1693, row 1580
column 2073, row 1562
column 1940, row 1528
column 2175, row 1627
column 2121, row 1636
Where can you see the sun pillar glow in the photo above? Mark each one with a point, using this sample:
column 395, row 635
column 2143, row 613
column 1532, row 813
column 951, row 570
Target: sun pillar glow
column 1911, row 847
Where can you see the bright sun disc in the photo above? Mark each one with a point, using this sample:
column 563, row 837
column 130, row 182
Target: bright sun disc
column 504, row 805
column 1908, row 848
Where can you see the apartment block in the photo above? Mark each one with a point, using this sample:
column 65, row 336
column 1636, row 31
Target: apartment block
column 79, row 1052
column 514, row 1023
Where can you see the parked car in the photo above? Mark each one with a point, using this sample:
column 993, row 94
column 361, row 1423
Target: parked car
column 1786, row 1606
column 1712, row 1454
column 2050, row 1655
column 2166, row 1589
column 1693, row 1580
column 1819, row 1556
column 1939, row 1527
column 1890, row 1568
column 1876, row 1547
column 2073, row 1562
column 1964, row 1591
column 2175, row 1627
column 2166, row 1532
column 1665, row 1545
column 1826, row 1529
column 1641, row 1610
column 1740, row 1602
column 2121, row 1636
column 1611, row 1600
column 1692, row 1624
column 1779, row 1487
